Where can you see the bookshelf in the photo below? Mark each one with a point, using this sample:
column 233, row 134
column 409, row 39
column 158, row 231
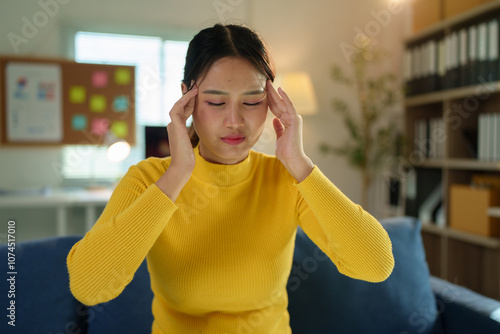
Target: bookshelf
column 462, row 257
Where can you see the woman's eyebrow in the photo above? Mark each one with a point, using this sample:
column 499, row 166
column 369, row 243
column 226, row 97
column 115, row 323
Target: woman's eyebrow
column 215, row 92
column 255, row 92
column 219, row 92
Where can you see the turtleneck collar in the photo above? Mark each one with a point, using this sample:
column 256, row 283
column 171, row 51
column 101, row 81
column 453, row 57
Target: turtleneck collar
column 222, row 175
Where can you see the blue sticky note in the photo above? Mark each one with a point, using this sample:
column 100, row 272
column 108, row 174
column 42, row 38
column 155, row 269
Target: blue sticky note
column 79, row 122
column 121, row 103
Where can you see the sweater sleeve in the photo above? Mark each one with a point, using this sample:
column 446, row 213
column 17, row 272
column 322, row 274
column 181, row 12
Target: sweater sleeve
column 353, row 239
column 102, row 264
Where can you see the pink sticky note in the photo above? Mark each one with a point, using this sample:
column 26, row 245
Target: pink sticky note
column 100, row 79
column 100, row 126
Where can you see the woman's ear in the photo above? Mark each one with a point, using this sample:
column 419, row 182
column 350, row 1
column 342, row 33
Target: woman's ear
column 184, row 88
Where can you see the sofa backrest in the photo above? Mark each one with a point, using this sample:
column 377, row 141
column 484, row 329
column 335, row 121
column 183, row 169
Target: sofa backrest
column 321, row 300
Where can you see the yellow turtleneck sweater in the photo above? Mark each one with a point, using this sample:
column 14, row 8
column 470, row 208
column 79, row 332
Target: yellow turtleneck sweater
column 220, row 256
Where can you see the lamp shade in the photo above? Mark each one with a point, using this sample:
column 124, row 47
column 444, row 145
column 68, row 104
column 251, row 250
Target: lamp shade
column 298, row 86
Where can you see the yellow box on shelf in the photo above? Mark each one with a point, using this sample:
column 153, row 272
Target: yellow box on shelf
column 455, row 7
column 426, row 13
column 469, row 210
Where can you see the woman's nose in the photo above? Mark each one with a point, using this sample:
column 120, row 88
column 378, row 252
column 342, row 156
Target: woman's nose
column 234, row 117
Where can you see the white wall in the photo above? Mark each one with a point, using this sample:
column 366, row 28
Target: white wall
column 302, row 35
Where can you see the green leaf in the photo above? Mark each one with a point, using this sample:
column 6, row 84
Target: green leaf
column 340, row 106
column 352, row 127
column 339, row 76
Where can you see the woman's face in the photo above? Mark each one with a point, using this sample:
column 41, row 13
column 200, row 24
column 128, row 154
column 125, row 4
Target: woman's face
column 230, row 110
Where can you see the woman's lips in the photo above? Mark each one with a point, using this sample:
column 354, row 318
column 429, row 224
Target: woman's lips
column 233, row 140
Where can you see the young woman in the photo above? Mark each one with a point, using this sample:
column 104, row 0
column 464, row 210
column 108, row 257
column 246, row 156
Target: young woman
column 217, row 221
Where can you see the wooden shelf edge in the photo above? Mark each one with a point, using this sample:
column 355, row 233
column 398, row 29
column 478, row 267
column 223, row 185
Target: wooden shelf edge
column 452, row 21
column 423, row 99
column 431, row 163
column 472, row 164
column 452, row 94
column 459, row 164
column 451, row 233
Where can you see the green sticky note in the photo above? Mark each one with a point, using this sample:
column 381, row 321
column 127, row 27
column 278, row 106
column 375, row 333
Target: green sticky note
column 77, row 94
column 79, row 122
column 122, row 76
column 97, row 103
column 120, row 129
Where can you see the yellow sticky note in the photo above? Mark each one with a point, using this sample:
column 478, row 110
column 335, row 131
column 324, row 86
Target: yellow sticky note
column 97, row 103
column 122, row 76
column 120, row 129
column 77, row 94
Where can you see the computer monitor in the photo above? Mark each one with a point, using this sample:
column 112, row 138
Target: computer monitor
column 156, row 141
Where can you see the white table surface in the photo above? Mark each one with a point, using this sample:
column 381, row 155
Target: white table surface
column 59, row 199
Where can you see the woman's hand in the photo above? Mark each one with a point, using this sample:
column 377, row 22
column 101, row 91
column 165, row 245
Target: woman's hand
column 288, row 127
column 181, row 151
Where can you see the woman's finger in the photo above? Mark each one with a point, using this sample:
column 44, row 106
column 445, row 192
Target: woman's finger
column 274, row 100
column 184, row 107
column 286, row 100
column 187, row 97
column 278, row 128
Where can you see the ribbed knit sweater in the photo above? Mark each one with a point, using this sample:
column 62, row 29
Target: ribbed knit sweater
column 220, row 256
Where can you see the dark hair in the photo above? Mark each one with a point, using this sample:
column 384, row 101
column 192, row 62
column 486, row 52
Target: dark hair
column 214, row 43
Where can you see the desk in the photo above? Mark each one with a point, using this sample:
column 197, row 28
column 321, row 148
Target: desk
column 61, row 199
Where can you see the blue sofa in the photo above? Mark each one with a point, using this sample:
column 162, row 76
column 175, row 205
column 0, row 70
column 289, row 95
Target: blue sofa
column 321, row 300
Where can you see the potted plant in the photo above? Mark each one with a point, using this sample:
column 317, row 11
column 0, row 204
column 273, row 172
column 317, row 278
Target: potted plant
column 372, row 128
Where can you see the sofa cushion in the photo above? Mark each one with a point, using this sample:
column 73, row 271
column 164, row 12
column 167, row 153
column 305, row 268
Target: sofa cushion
column 321, row 300
column 43, row 301
column 130, row 312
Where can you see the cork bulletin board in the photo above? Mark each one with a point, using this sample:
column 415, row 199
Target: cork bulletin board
column 61, row 102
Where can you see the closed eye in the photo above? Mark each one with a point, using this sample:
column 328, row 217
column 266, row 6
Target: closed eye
column 253, row 104
column 215, row 104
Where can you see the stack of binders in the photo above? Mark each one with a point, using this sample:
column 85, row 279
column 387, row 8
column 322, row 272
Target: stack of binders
column 466, row 56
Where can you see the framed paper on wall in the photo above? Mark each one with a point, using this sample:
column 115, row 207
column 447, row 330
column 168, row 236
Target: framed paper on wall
column 33, row 102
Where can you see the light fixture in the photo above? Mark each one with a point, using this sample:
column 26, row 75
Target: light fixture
column 298, row 86
column 118, row 149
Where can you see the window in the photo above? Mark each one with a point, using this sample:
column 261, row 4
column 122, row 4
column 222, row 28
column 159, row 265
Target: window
column 159, row 70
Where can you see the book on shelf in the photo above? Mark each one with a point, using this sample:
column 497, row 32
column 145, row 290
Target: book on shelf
column 463, row 58
column 482, row 53
column 488, row 137
column 472, row 63
column 451, row 56
column 493, row 50
column 467, row 55
column 429, row 139
column 441, row 64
